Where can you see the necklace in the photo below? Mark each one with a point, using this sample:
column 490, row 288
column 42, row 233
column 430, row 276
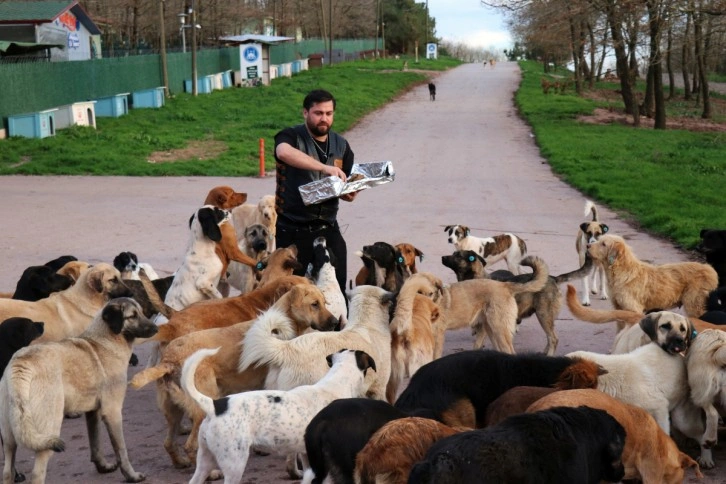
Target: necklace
column 320, row 148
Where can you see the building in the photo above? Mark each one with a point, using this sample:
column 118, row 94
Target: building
column 48, row 24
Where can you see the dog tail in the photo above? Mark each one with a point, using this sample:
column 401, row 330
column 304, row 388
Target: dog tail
column 263, row 343
column 154, row 298
column 540, row 272
column 148, row 375
column 27, row 427
column 598, row 316
column 591, row 208
column 187, row 380
column 577, row 273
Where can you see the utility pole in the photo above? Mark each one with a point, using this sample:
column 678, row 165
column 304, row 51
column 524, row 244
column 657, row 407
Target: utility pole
column 330, row 28
column 193, row 14
column 162, row 35
column 378, row 22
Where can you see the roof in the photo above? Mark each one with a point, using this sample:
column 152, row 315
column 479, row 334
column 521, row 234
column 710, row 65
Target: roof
column 19, row 48
column 44, row 12
column 255, row 38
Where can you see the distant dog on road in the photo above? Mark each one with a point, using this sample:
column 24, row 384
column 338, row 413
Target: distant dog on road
column 432, row 91
column 588, row 234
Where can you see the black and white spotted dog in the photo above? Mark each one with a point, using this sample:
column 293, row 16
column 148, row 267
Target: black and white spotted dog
column 507, row 247
column 128, row 265
column 322, row 272
column 589, row 233
column 270, row 420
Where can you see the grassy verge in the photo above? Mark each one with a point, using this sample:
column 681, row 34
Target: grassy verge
column 213, row 134
column 669, row 182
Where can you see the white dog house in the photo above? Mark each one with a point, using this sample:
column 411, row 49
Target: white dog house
column 80, row 113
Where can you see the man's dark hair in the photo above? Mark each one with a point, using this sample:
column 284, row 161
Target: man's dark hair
column 317, row 96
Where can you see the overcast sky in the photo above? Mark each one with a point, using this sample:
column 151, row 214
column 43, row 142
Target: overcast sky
column 468, row 22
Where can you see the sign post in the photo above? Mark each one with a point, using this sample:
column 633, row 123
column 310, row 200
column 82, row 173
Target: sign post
column 431, row 51
column 251, row 63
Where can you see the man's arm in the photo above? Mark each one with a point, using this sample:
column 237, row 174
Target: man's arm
column 296, row 158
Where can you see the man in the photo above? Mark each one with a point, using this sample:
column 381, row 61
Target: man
column 306, row 153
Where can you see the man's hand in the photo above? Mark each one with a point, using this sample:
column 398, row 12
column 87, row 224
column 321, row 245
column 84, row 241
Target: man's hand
column 349, row 197
column 331, row 170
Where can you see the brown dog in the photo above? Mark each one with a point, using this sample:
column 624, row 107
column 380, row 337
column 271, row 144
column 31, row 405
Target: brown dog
column 638, row 286
column 514, row 401
column 282, row 262
column 225, row 197
column 217, row 376
column 649, row 454
column 396, row 447
column 69, row 312
column 409, row 253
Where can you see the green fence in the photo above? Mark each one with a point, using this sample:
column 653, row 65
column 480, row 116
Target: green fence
column 35, row 86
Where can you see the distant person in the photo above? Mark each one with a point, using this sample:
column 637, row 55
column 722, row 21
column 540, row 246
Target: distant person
column 306, row 153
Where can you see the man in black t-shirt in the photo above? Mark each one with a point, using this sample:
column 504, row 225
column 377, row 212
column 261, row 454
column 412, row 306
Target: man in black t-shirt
column 306, row 153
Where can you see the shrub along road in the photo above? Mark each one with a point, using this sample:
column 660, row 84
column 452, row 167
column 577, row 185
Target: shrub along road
column 466, row 158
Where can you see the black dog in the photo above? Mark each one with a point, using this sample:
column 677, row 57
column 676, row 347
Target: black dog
column 384, row 266
column 713, row 246
column 338, row 432
column 562, row 444
column 39, row 282
column 457, row 389
column 432, row 91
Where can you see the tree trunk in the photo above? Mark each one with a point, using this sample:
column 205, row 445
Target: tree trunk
column 686, row 59
column 701, row 62
column 591, row 77
column 604, row 53
column 621, row 63
column 655, row 25
column 669, row 66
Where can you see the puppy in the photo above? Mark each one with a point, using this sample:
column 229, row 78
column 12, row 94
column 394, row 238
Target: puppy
column 507, row 247
column 82, row 374
column 589, row 233
column 713, row 246
column 649, row 455
column 384, row 266
column 446, row 391
column 322, row 272
column 545, row 303
column 638, row 286
column 255, row 244
column 563, row 444
column 225, row 197
column 706, row 361
column 128, row 265
column 432, row 91
column 39, row 282
column 409, row 253
column 265, row 419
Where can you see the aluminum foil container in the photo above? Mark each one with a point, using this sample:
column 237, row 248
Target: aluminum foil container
column 368, row 175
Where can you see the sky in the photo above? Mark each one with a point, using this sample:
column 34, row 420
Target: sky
column 466, row 21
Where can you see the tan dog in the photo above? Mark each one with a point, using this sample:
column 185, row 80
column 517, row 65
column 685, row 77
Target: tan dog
column 589, row 233
column 409, row 253
column 225, row 197
column 649, row 455
column 217, row 313
column 81, row 374
column 263, row 213
column 73, row 269
column 282, row 262
column 638, row 286
column 396, row 447
column 256, row 244
column 487, row 306
column 69, row 312
column 217, row 376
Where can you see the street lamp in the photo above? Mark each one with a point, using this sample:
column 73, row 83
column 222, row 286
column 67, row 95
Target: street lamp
column 183, row 21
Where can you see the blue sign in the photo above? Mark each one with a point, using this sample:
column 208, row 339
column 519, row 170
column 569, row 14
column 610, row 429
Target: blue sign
column 432, row 47
column 251, row 54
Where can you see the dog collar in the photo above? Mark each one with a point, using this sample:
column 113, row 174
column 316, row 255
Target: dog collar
column 260, row 265
column 694, row 334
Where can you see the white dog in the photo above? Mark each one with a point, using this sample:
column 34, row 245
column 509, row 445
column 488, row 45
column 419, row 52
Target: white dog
column 266, row 419
column 492, row 249
column 322, row 271
column 589, row 233
column 299, row 361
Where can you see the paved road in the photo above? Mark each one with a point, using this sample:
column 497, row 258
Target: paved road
column 464, row 159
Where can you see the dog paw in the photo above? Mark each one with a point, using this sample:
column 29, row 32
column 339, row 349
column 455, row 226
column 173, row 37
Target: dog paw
column 134, row 360
column 135, row 477
column 19, row 477
column 706, row 462
column 215, row 475
column 105, row 468
column 585, row 303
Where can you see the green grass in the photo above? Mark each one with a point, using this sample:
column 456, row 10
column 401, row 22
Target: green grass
column 669, row 182
column 233, row 119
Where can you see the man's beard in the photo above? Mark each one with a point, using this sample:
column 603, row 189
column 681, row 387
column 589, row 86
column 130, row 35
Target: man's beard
column 319, row 130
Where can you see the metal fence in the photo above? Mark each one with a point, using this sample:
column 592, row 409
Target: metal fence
column 34, row 86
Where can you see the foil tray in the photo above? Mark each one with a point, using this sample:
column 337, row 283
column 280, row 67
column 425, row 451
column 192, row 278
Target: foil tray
column 373, row 174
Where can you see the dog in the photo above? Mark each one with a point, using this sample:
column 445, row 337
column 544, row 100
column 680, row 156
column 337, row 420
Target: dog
column 336, row 435
column 589, row 233
column 293, row 363
column 79, row 374
column 446, row 390
column 255, row 244
column 384, row 266
column 638, row 286
column 488, row 307
column 561, row 444
column 265, row 419
column 17, row 333
column 409, row 253
column 396, row 447
column 263, row 213
column 507, row 247
column 281, row 262
column 706, row 360
column 39, row 282
column 515, row 401
column 322, row 272
column 128, row 265
column 69, row 312
column 225, row 197
column 73, row 269
column 545, row 304
column 649, row 455
column 432, row 91
column 152, row 304
column 303, row 305
column 673, row 331
column 713, row 246
column 715, row 307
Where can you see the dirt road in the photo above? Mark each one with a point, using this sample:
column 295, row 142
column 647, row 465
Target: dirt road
column 464, row 159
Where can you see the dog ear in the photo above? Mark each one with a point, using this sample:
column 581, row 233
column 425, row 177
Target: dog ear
column 583, row 226
column 419, row 254
column 448, row 228
column 649, row 325
column 435, row 314
column 604, row 228
column 95, row 281
column 113, row 315
column 687, row 461
column 329, row 359
column 364, row 361
column 465, row 229
column 208, row 222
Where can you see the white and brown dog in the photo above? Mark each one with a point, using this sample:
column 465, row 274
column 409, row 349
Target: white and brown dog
column 508, row 247
column 270, row 420
column 589, row 233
